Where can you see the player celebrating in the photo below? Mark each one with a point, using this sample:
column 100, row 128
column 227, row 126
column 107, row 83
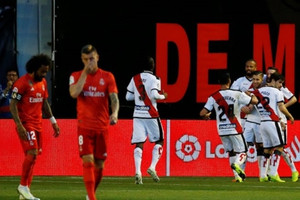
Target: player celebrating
column 144, row 89
column 289, row 100
column 227, row 103
column 93, row 88
column 29, row 99
column 271, row 102
column 252, row 125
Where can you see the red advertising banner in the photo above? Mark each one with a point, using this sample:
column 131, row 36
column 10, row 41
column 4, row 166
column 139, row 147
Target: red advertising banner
column 192, row 148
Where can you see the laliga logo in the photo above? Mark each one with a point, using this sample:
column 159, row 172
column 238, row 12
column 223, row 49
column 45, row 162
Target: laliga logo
column 251, row 154
column 295, row 147
column 188, row 148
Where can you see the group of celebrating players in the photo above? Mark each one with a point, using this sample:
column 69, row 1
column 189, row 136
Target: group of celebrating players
column 253, row 111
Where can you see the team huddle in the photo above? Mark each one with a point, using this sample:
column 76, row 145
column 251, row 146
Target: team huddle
column 253, row 111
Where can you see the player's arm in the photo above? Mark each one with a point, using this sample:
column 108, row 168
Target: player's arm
column 15, row 114
column 205, row 114
column 285, row 111
column 76, row 89
column 291, row 101
column 129, row 96
column 48, row 113
column 158, row 96
column 115, row 106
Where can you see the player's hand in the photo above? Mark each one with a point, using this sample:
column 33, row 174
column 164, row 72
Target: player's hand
column 207, row 116
column 90, row 67
column 283, row 126
column 165, row 94
column 113, row 119
column 9, row 85
column 22, row 132
column 247, row 109
column 292, row 119
column 56, row 130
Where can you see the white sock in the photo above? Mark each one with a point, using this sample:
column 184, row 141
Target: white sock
column 138, row 152
column 289, row 161
column 156, row 154
column 231, row 161
column 274, row 164
column 264, row 166
column 240, row 158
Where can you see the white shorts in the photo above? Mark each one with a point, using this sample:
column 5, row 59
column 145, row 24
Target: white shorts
column 252, row 132
column 271, row 134
column 234, row 143
column 147, row 128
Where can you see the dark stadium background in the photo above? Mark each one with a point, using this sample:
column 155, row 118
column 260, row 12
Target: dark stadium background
column 123, row 31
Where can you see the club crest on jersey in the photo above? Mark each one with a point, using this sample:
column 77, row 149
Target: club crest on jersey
column 101, row 82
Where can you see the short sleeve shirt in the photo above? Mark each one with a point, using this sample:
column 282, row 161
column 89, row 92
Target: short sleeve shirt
column 93, row 101
column 141, row 86
column 227, row 105
column 31, row 96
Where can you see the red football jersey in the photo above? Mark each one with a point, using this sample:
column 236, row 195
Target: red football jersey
column 31, row 95
column 93, row 102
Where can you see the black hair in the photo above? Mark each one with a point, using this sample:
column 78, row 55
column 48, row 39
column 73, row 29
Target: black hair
column 276, row 76
column 14, row 69
column 37, row 61
column 87, row 49
column 146, row 62
column 273, row 68
column 258, row 73
column 224, row 78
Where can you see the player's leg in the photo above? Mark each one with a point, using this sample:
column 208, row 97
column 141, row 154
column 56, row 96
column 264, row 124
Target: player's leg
column 274, row 164
column 86, row 152
column 259, row 154
column 264, row 166
column 232, row 157
column 289, row 161
column 249, row 138
column 30, row 147
column 155, row 134
column 240, row 149
column 288, row 158
column 98, row 172
column 138, row 139
column 88, row 175
column 100, row 154
column 26, row 176
column 138, row 155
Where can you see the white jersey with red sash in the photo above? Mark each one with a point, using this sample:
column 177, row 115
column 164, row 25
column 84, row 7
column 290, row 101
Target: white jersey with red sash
column 227, row 104
column 141, row 86
column 243, row 84
column 268, row 98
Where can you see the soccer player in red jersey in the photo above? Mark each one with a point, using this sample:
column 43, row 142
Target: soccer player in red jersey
column 29, row 100
column 94, row 88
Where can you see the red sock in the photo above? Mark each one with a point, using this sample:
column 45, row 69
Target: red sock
column 27, row 169
column 98, row 177
column 89, row 179
column 30, row 177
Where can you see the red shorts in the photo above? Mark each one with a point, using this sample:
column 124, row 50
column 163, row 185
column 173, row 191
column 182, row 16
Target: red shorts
column 34, row 141
column 92, row 142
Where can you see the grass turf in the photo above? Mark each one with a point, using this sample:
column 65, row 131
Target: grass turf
column 123, row 188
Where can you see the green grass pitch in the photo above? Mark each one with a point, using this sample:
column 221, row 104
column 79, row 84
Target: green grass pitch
column 177, row 188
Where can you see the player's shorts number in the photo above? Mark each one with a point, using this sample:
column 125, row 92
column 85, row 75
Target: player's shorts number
column 31, row 135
